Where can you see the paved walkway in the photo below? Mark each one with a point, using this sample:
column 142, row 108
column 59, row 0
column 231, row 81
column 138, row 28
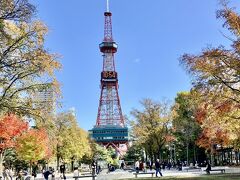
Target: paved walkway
column 121, row 174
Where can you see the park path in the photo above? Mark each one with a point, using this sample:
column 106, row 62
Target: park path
column 120, row 174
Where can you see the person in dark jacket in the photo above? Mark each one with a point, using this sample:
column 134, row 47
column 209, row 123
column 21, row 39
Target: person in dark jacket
column 208, row 169
column 158, row 168
column 62, row 169
column 46, row 174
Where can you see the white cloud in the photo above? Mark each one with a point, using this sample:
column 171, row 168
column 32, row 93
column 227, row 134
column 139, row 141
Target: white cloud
column 137, row 60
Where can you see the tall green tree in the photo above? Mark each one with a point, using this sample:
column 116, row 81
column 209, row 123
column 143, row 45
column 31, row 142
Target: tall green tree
column 186, row 128
column 135, row 152
column 151, row 126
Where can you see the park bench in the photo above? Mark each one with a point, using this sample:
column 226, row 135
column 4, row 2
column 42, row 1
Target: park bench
column 192, row 168
column 136, row 174
column 92, row 176
column 222, row 170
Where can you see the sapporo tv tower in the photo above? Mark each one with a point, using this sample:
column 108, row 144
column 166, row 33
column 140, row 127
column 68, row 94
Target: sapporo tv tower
column 110, row 129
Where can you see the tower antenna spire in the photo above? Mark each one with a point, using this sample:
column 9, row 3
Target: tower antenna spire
column 108, row 6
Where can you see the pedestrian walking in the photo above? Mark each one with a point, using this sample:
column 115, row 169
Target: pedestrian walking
column 109, row 167
column 137, row 166
column 122, row 165
column 46, row 174
column 76, row 173
column 208, row 169
column 158, row 168
column 151, row 165
column 94, row 168
column 62, row 169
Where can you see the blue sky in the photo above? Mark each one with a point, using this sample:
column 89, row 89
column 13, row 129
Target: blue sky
column 151, row 35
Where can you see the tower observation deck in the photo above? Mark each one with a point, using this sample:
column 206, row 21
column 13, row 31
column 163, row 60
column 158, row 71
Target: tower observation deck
column 110, row 128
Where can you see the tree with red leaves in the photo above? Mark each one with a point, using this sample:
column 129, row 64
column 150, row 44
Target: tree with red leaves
column 10, row 127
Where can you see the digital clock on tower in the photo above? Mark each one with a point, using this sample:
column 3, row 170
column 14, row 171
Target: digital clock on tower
column 109, row 74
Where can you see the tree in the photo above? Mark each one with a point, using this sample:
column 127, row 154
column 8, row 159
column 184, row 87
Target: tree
column 20, row 10
column 216, row 86
column 151, row 126
column 25, row 65
column 135, row 152
column 186, row 128
column 10, row 128
column 72, row 141
column 33, row 146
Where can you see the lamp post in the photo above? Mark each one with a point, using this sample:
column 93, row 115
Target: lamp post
column 174, row 148
column 171, row 156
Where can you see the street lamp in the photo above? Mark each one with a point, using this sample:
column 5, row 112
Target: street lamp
column 174, row 148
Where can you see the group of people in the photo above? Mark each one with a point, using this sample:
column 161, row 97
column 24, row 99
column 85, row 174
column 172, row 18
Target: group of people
column 140, row 166
column 96, row 168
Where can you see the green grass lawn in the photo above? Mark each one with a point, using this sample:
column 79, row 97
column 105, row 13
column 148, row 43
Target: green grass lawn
column 205, row 177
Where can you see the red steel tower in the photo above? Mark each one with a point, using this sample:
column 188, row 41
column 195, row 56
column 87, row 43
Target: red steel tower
column 110, row 129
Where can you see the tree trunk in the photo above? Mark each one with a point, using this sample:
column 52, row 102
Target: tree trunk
column 72, row 163
column 1, row 163
column 175, row 158
column 187, row 153
column 30, row 170
column 236, row 156
column 58, row 159
column 146, row 156
column 194, row 154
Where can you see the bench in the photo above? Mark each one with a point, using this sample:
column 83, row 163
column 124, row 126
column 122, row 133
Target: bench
column 92, row 176
column 136, row 174
column 192, row 168
column 222, row 170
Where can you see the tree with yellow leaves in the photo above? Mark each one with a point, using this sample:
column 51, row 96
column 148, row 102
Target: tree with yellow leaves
column 25, row 65
column 33, row 145
column 151, row 127
column 71, row 141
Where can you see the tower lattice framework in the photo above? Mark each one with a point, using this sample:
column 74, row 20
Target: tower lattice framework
column 109, row 110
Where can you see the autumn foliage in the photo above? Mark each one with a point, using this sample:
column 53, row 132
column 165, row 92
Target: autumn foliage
column 10, row 128
column 30, row 144
column 26, row 65
column 33, row 145
column 216, row 86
